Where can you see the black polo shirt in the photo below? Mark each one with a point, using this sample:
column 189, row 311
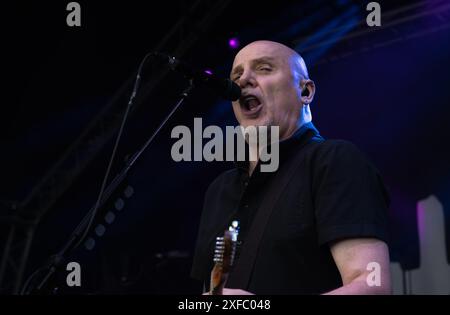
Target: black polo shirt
column 335, row 193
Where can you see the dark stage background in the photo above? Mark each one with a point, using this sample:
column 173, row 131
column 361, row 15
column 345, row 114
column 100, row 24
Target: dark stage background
column 65, row 89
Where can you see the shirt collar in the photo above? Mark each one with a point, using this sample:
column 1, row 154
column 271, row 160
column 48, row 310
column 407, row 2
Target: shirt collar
column 284, row 145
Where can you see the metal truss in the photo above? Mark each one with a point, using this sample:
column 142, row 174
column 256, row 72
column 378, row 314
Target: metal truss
column 24, row 216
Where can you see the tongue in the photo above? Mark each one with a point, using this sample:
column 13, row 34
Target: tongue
column 253, row 103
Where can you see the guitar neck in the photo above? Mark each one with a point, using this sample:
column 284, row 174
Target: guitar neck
column 224, row 254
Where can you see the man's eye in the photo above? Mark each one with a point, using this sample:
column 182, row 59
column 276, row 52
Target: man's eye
column 236, row 78
column 265, row 68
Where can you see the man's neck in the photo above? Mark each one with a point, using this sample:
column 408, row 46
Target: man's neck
column 252, row 166
column 256, row 152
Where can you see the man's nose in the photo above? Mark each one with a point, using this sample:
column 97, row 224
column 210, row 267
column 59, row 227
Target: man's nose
column 247, row 79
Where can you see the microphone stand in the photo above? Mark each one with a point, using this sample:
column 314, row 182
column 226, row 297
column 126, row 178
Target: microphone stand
column 58, row 259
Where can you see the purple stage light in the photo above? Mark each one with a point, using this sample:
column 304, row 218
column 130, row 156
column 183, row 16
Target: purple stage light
column 233, row 43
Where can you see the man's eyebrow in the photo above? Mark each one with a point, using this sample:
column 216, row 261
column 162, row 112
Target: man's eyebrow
column 254, row 61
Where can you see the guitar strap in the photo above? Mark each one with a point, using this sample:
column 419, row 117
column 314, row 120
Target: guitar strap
column 242, row 271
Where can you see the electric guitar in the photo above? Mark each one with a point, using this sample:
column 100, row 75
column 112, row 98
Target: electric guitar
column 224, row 256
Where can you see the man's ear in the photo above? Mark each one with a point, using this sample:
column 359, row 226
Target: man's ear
column 308, row 90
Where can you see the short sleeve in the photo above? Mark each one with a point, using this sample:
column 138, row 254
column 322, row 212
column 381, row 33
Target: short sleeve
column 350, row 199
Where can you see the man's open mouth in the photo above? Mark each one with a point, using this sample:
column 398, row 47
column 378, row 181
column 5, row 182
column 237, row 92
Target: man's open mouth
column 250, row 104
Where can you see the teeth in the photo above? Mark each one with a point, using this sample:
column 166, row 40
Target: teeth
column 248, row 99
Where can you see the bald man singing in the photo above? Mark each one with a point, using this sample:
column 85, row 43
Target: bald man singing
column 326, row 231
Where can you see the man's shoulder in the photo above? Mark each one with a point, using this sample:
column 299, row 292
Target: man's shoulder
column 334, row 144
column 337, row 147
column 338, row 152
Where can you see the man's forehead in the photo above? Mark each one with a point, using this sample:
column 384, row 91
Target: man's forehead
column 262, row 50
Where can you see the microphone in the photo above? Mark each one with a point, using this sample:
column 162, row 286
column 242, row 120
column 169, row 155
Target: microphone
column 226, row 88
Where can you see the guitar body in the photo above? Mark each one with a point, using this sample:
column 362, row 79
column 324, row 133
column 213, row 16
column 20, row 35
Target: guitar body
column 225, row 252
column 218, row 280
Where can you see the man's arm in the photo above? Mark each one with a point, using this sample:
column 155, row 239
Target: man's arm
column 361, row 263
